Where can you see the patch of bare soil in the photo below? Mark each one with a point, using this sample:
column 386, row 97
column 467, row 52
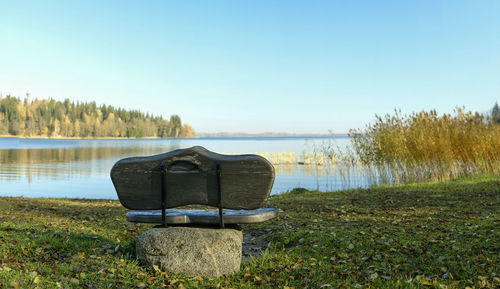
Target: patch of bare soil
column 254, row 244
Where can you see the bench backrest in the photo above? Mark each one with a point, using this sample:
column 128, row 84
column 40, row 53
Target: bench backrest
column 190, row 178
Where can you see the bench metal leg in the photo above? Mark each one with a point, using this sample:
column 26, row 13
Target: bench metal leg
column 163, row 195
column 219, row 194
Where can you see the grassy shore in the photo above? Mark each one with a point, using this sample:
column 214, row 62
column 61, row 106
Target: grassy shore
column 441, row 235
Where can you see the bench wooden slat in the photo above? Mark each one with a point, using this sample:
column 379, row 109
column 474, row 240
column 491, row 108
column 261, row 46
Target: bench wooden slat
column 203, row 217
column 246, row 180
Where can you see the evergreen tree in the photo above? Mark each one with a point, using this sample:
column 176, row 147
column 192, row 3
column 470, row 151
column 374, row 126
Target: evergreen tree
column 495, row 113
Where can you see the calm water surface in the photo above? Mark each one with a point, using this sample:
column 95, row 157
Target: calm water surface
column 80, row 168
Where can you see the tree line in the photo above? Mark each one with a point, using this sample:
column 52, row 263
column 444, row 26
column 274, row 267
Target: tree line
column 51, row 118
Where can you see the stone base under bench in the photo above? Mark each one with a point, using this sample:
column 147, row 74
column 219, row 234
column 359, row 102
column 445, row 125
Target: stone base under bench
column 192, row 251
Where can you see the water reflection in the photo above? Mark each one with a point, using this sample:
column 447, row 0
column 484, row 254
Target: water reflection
column 80, row 168
column 36, row 156
column 87, row 161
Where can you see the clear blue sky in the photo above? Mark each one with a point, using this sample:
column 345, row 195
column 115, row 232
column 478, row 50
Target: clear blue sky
column 255, row 66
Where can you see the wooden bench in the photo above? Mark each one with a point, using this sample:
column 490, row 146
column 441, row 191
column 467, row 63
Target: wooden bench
column 238, row 186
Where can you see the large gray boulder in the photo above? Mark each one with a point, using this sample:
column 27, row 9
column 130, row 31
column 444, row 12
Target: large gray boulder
column 191, row 251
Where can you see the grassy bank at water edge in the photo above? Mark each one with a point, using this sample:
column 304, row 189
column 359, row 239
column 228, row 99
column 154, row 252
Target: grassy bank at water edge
column 441, row 235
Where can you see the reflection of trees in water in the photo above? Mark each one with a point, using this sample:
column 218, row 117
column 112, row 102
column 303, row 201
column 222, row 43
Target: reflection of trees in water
column 37, row 156
column 65, row 163
column 87, row 162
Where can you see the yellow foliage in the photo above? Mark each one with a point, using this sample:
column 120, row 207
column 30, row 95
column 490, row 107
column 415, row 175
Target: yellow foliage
column 427, row 146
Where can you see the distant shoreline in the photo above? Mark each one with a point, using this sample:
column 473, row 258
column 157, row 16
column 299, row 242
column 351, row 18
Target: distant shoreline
column 266, row 134
column 202, row 135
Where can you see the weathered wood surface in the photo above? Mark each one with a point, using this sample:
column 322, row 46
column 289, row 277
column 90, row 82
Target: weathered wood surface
column 246, row 180
column 203, row 217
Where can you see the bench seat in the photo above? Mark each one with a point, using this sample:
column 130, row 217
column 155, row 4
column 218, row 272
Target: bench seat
column 203, row 217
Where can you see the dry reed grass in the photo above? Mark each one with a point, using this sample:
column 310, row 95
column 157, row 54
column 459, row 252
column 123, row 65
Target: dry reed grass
column 400, row 148
column 426, row 146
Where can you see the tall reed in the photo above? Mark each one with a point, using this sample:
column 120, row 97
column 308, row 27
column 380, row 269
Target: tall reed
column 427, row 146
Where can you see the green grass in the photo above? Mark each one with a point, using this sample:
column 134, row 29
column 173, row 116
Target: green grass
column 423, row 235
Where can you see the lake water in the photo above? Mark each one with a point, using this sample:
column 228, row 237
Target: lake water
column 80, row 168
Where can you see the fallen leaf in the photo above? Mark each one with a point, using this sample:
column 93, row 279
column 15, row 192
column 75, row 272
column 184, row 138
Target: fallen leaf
column 257, row 280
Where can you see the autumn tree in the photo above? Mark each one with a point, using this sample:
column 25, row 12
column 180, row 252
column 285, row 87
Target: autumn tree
column 48, row 117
